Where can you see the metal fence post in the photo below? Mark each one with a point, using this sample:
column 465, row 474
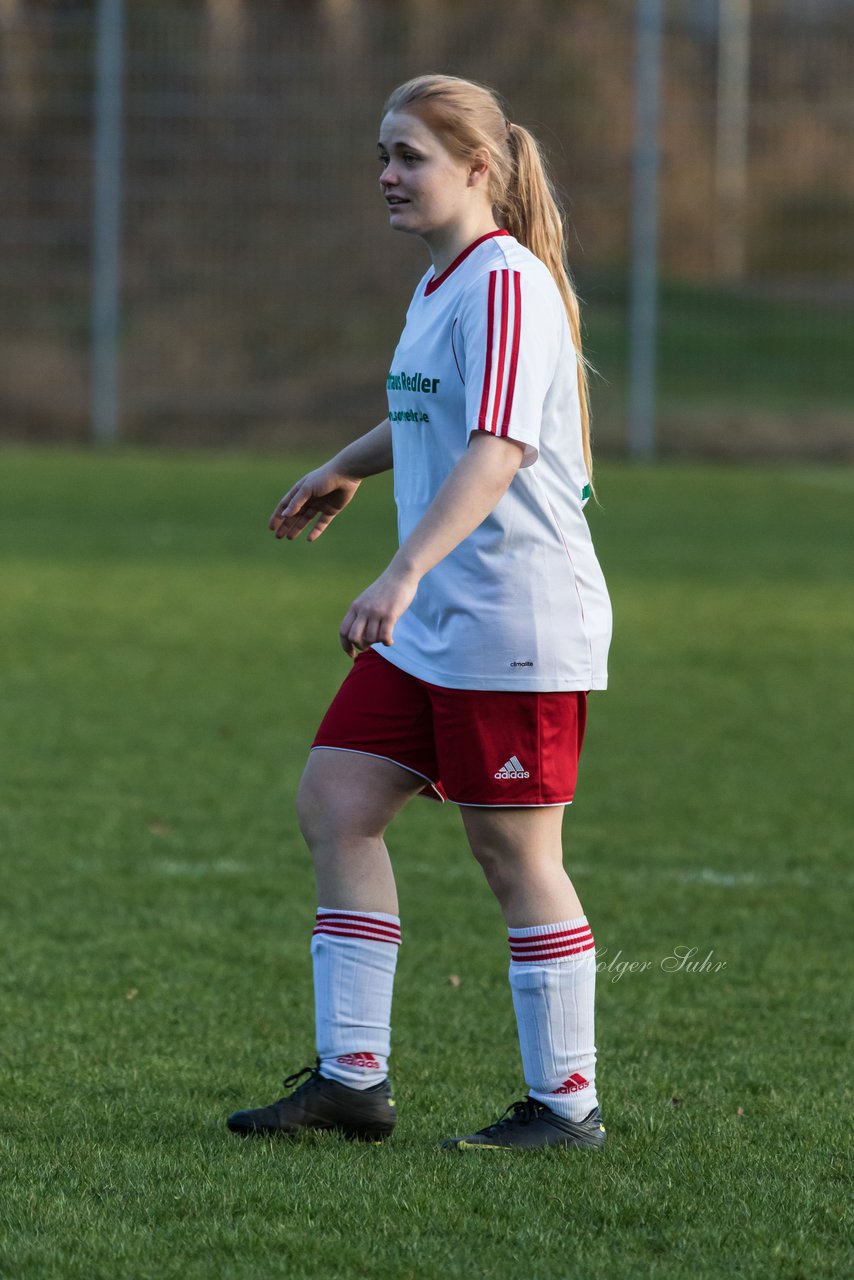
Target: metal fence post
column 732, row 123
column 644, row 269
column 106, row 227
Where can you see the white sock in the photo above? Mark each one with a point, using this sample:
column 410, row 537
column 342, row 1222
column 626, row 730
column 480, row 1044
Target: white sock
column 355, row 956
column 553, row 980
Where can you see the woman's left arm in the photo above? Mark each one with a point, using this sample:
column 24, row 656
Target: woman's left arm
column 476, row 484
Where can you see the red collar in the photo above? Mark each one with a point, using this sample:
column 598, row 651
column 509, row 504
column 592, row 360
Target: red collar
column 433, row 284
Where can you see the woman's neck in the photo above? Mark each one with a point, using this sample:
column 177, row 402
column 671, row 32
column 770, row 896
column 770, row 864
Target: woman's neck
column 448, row 243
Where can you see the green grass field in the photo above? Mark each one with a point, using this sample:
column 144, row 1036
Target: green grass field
column 164, row 665
column 719, row 349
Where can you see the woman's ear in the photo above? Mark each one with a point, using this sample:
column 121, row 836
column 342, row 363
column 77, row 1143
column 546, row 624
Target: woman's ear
column 479, row 168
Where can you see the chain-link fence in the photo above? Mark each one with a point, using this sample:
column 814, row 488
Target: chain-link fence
column 261, row 290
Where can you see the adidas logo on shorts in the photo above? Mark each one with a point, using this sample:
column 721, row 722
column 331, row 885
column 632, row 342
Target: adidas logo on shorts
column 512, row 769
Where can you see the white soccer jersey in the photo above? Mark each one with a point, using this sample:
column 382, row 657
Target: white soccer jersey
column 521, row 603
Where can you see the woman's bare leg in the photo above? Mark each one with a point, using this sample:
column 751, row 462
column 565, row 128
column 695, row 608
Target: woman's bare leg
column 521, row 853
column 552, row 960
column 345, row 802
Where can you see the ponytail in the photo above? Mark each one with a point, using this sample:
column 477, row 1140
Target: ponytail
column 468, row 118
column 532, row 216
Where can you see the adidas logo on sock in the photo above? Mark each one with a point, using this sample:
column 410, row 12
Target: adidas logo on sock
column 367, row 1060
column 512, row 769
column 575, row 1083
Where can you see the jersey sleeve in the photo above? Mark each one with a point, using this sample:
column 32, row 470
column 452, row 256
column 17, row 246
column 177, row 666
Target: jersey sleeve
column 506, row 343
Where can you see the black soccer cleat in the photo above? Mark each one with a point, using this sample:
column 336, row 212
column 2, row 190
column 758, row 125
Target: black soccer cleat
column 530, row 1124
column 319, row 1103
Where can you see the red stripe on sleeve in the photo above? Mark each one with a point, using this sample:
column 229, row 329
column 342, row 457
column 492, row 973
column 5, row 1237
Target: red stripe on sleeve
column 487, row 373
column 514, row 351
column 502, row 350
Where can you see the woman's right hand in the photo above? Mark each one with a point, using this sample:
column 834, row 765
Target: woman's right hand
column 322, row 493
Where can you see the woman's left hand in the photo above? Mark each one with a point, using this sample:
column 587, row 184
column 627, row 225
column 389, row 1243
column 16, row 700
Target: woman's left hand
column 372, row 615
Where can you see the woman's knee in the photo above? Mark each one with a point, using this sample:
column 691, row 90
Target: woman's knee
column 515, row 845
column 344, row 796
column 322, row 810
column 500, row 870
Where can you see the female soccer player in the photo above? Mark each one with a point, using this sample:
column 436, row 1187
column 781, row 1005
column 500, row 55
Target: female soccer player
column 475, row 649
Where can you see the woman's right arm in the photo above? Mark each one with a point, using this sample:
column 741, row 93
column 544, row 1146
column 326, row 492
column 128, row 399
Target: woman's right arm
column 367, row 456
column 325, row 492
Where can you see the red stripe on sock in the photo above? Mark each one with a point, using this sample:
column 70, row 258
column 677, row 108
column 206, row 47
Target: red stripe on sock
column 552, row 942
column 554, row 953
column 358, row 931
column 350, row 917
column 539, row 939
column 537, row 944
column 586, row 939
column 352, row 920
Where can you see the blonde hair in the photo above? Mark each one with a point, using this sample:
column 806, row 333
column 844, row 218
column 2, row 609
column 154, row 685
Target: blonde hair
column 469, row 118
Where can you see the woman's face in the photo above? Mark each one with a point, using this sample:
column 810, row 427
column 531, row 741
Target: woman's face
column 425, row 188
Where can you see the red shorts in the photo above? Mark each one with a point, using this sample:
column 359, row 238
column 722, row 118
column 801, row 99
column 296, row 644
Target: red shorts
column 473, row 746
